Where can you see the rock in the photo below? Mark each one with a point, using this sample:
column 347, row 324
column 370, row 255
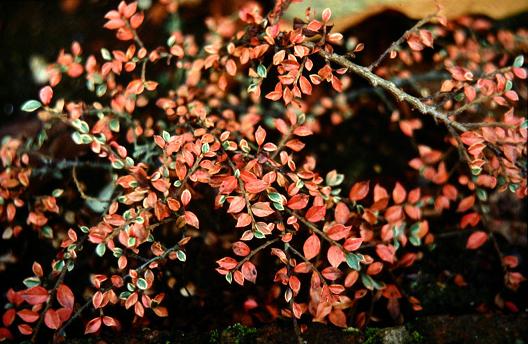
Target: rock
column 394, row 335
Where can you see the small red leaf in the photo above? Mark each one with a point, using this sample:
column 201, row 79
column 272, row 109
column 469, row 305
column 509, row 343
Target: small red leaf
column 25, row 329
column 302, row 130
column 227, row 263
column 314, row 25
column 65, row 296
column 415, row 42
column 185, row 197
column 228, row 185
column 9, row 317
column 352, row 244
column 316, row 213
column 386, row 252
column 256, row 186
column 426, row 37
column 327, row 13
column 299, row 201
column 260, row 135
column 231, row 67
column 331, row 273
column 135, row 87
column 28, row 315
column 262, row 209
column 279, row 57
column 476, row 240
column 466, row 204
column 337, row 317
column 351, row 278
column 236, row 205
column 338, row 232
column 64, row 313
column 519, row 72
column 111, row 322
column 249, row 271
column 311, row 247
column 471, row 219
column 241, row 249
column 45, row 95
column 93, row 325
column 399, row 194
column 52, row 319
column 335, row 256
column 306, row 86
column 191, row 219
column 342, row 213
column 511, row 95
column 470, row 93
column 295, row 284
column 35, row 295
column 359, row 191
column 136, row 20
column 114, row 24
column 161, row 312
column 243, row 220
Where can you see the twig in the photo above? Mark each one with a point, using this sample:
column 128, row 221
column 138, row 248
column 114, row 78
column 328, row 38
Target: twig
column 186, row 179
column 155, row 259
column 281, row 144
column 389, row 86
column 465, row 107
column 294, row 319
column 144, row 70
column 314, row 229
column 48, row 303
column 74, row 316
column 51, row 165
column 81, row 191
column 488, row 124
column 397, row 43
column 242, row 190
column 255, row 251
column 485, row 221
column 303, row 258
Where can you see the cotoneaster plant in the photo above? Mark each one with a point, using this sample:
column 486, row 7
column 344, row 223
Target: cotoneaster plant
column 224, row 117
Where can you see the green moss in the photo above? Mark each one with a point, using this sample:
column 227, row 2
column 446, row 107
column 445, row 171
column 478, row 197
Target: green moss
column 371, row 336
column 416, row 338
column 351, row 330
column 237, row 334
column 214, row 336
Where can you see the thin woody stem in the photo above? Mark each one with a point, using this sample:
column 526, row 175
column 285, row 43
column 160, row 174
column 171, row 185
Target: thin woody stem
column 390, row 87
column 49, row 302
column 80, row 188
column 242, row 190
column 395, row 45
column 294, row 319
column 303, row 258
column 255, row 251
column 467, row 106
column 316, row 230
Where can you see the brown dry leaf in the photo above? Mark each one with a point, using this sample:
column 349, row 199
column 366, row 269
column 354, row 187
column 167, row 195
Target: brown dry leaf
column 346, row 13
